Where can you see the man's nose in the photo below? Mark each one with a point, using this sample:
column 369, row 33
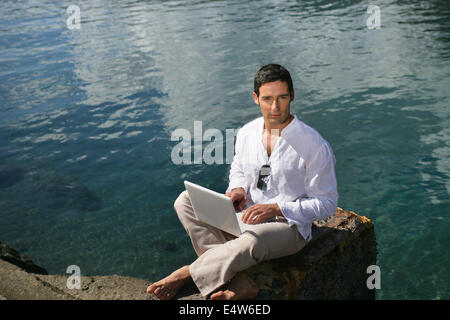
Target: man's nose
column 275, row 105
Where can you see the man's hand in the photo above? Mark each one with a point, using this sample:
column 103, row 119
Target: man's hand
column 258, row 213
column 239, row 198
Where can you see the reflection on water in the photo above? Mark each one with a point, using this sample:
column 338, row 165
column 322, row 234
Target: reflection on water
column 87, row 116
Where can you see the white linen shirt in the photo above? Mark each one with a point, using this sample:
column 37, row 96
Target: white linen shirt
column 302, row 180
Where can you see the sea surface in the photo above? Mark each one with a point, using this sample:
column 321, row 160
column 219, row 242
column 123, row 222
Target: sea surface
column 89, row 113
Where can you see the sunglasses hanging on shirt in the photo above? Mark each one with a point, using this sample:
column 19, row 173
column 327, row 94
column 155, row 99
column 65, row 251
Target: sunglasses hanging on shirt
column 263, row 178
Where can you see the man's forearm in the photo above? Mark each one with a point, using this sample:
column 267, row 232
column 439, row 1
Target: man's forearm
column 306, row 210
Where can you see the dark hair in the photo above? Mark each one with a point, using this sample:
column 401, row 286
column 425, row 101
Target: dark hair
column 270, row 73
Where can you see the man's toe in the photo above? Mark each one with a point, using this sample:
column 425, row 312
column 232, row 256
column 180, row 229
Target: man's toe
column 150, row 288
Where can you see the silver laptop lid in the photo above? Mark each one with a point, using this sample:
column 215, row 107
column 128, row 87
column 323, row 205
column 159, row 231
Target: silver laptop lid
column 213, row 208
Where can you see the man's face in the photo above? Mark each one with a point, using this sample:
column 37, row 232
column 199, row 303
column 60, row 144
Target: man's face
column 274, row 100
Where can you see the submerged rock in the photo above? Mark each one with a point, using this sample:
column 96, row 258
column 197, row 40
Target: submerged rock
column 11, row 176
column 166, row 245
column 65, row 193
column 30, row 191
column 54, row 190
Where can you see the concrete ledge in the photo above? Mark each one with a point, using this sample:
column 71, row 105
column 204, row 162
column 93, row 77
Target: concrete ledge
column 16, row 284
column 102, row 287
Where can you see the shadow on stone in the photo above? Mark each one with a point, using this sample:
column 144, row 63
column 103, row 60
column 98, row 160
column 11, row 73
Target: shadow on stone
column 189, row 292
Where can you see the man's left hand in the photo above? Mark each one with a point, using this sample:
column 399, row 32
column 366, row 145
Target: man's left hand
column 258, row 213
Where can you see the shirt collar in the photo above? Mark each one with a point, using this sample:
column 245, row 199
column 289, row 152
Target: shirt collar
column 283, row 132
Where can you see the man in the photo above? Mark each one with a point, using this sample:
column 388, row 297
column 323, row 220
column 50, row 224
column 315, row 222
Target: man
column 282, row 175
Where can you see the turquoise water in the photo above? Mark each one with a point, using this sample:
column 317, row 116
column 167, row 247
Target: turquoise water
column 86, row 117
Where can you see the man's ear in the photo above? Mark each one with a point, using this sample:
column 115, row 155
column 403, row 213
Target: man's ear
column 292, row 94
column 255, row 98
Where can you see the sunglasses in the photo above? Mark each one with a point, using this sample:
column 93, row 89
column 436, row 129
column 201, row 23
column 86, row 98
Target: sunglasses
column 264, row 173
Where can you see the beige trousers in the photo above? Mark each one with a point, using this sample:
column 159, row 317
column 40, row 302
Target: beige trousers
column 221, row 255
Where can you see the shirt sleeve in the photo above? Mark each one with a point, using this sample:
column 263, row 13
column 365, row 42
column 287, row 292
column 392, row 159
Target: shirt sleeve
column 237, row 177
column 321, row 188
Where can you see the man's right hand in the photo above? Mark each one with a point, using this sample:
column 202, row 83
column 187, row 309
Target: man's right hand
column 239, row 198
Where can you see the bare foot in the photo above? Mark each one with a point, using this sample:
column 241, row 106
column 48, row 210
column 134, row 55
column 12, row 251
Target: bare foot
column 168, row 287
column 242, row 287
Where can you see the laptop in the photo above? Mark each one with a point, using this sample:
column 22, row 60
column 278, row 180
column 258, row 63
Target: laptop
column 215, row 209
